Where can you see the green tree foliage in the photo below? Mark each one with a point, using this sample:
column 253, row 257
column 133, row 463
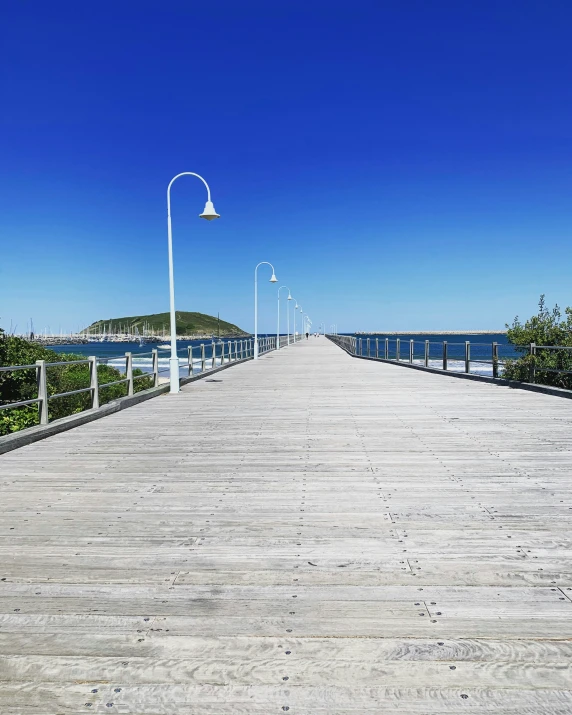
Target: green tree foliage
column 21, row 385
column 547, row 329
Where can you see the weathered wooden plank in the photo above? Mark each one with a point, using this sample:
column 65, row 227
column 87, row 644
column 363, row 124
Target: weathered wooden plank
column 164, row 645
column 264, row 671
column 52, row 698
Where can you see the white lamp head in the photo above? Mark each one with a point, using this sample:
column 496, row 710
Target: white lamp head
column 273, row 279
column 289, row 296
column 296, row 306
column 209, row 213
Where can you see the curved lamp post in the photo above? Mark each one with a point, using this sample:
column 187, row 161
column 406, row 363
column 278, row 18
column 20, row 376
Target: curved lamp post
column 294, row 328
column 272, row 280
column 287, row 316
column 209, row 214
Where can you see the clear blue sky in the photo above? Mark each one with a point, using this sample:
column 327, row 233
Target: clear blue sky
column 404, row 165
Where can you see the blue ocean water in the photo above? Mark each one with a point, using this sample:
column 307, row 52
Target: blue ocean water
column 113, row 353
column 111, row 350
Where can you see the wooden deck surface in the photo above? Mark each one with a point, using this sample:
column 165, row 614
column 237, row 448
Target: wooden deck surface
column 310, row 533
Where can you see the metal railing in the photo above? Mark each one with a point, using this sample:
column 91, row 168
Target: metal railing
column 550, row 360
column 467, row 357
column 196, row 359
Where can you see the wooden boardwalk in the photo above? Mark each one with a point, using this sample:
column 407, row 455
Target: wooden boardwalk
column 310, row 533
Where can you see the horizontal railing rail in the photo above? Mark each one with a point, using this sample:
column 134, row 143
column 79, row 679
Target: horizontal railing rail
column 11, row 368
column 193, row 360
column 458, row 357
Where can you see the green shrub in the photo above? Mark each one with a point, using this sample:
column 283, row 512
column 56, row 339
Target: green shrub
column 547, row 328
column 22, row 384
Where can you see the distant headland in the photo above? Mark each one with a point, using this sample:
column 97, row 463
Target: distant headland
column 156, row 327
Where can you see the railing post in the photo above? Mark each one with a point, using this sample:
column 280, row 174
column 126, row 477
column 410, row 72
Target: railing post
column 368, row 348
column 236, row 349
column 444, row 355
column 495, row 359
column 203, row 358
column 222, row 353
column 190, row 354
column 398, row 349
column 155, row 360
column 532, row 371
column 377, row 347
column 93, row 382
column 467, row 356
column 129, row 372
column 426, row 353
column 411, row 350
column 386, row 350
column 42, row 392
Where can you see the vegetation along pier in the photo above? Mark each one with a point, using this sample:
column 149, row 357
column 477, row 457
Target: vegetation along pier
column 311, row 532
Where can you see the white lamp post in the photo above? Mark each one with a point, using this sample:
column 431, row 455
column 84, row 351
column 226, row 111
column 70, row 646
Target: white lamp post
column 272, row 280
column 294, row 328
column 209, row 214
column 287, row 315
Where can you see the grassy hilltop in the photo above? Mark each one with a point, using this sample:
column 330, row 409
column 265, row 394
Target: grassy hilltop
column 187, row 324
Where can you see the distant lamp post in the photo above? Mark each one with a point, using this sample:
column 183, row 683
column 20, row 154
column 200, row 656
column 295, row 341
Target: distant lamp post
column 273, row 279
column 294, row 327
column 287, row 316
column 209, row 214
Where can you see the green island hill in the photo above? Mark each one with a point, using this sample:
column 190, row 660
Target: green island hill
column 158, row 324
